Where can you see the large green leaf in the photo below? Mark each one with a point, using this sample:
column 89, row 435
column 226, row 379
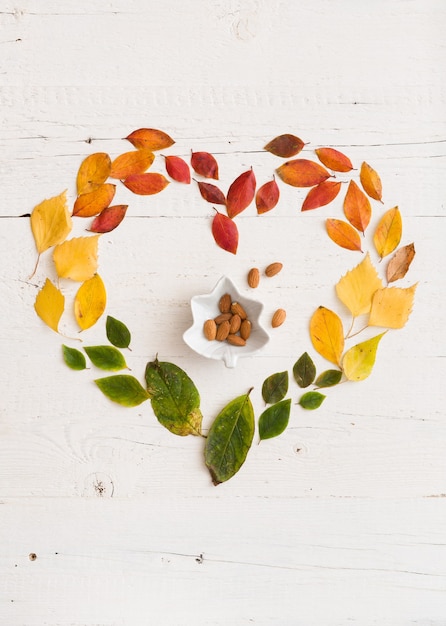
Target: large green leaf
column 275, row 387
column 123, row 389
column 229, row 439
column 174, row 397
column 274, row 419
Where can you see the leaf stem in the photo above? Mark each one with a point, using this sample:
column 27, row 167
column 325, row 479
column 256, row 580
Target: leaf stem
column 358, row 331
column 35, row 267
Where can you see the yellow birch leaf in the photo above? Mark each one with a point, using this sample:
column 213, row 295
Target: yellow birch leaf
column 358, row 362
column 388, row 232
column 357, row 287
column 327, row 334
column 49, row 305
column 391, row 306
column 93, row 171
column 51, row 222
column 77, row 258
column 89, row 302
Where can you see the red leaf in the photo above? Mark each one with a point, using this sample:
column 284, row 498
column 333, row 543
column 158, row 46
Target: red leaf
column 285, row 146
column 204, row 164
column 321, row 195
column 241, row 193
column 150, row 138
column 109, row 219
column 146, row 184
column 211, row 193
column 302, row 173
column 334, row 159
column 178, row 169
column 267, row 197
column 225, row 232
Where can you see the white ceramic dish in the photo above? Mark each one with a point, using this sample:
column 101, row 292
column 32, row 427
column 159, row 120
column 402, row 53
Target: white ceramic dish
column 205, row 307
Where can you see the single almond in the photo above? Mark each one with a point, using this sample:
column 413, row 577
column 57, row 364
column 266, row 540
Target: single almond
column 278, row 318
column 273, row 269
column 237, row 309
column 222, row 331
column 210, row 330
column 245, row 329
column 225, row 303
column 223, row 317
column 234, row 324
column 236, row 340
column 253, row 277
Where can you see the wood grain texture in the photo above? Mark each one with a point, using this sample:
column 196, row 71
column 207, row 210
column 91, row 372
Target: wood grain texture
column 341, row 520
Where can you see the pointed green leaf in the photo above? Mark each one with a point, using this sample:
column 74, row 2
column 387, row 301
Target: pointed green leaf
column 117, row 332
column 311, row 400
column 106, row 358
column 358, row 362
column 274, row 419
column 329, row 378
column 174, row 397
column 275, row 387
column 74, row 358
column 229, row 439
column 304, row 370
column 123, row 389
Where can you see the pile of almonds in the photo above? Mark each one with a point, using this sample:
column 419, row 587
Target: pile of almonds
column 231, row 325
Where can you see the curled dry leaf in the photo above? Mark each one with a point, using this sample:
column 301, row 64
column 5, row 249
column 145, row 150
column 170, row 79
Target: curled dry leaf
column 334, row 160
column 357, row 207
column 178, row 169
column 134, row 162
column 146, row 184
column 343, row 234
column 391, row 307
column 399, row 264
column 109, row 219
column 94, row 202
column 49, row 305
column 77, row 258
column 321, row 194
column 150, row 139
column 370, row 182
column 93, row 172
column 225, row 232
column 327, row 334
column 89, row 302
column 357, row 287
column 358, row 362
column 241, row 193
column 302, row 173
column 285, row 146
column 388, row 232
column 204, row 164
column 211, row 193
column 267, row 196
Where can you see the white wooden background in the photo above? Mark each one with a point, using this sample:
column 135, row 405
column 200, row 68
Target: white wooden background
column 342, row 519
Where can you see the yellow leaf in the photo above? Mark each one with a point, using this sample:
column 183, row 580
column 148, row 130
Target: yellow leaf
column 358, row 362
column 391, row 306
column 49, row 305
column 357, row 287
column 77, row 258
column 51, row 222
column 89, row 303
column 327, row 334
column 371, row 182
column 388, row 232
column 93, row 171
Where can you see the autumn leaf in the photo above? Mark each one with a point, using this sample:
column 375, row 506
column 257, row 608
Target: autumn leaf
column 328, row 378
column 370, row 182
column 178, row 169
column 302, row 173
column 357, row 208
column 327, row 334
column 49, row 305
column 124, row 389
column 343, row 234
column 391, row 306
column 321, row 194
column 89, row 302
column 359, row 360
column 225, row 232
column 357, row 287
column 93, row 172
column 106, row 358
column 334, row 160
column 285, row 146
column 204, row 164
column 267, row 196
column 77, row 258
column 150, row 139
column 240, row 193
column 133, row 162
column 94, row 202
column 275, row 387
column 399, row 264
column 109, row 219
column 388, row 232
column 146, row 184
column 211, row 193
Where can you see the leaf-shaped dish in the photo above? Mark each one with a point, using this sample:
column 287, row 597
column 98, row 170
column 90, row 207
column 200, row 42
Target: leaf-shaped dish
column 205, row 307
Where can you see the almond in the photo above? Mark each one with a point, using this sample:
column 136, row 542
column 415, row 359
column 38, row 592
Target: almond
column 278, row 318
column 225, row 303
column 234, row 324
column 236, row 340
column 210, row 330
column 237, row 309
column 222, row 331
column 245, row 329
column 253, row 277
column 273, row 269
column 223, row 317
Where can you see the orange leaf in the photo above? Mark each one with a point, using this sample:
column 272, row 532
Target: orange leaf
column 371, row 182
column 343, row 234
column 302, row 173
column 178, row 169
column 150, row 139
column 399, row 264
column 211, row 193
column 93, row 172
column 357, row 207
column 321, row 194
column 267, row 197
column 327, row 334
column 204, row 164
column 134, row 162
column 94, row 202
column 388, row 232
column 225, row 232
column 334, row 160
column 285, row 146
column 241, row 193
column 109, row 219
column 146, row 184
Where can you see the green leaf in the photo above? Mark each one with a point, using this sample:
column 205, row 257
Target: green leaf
column 106, row 358
column 229, row 439
column 74, row 358
column 329, row 378
column 174, row 397
column 117, row 332
column 274, row 419
column 123, row 389
column 311, row 400
column 358, row 362
column 275, row 387
column 304, row 370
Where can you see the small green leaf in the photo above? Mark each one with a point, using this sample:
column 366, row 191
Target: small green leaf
column 117, row 332
column 275, row 387
column 274, row 419
column 229, row 439
column 106, row 358
column 329, row 378
column 311, row 400
column 304, row 370
column 74, row 358
column 174, row 397
column 123, row 389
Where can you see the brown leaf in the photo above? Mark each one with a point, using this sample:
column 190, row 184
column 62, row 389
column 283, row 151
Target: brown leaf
column 109, row 219
column 267, row 196
column 178, row 169
column 93, row 172
column 134, row 162
column 357, row 207
column 399, row 264
column 204, row 164
column 146, row 184
column 371, row 182
column 150, row 138
column 321, row 195
column 211, row 193
column 302, row 173
column 225, row 232
column 285, row 146
column 343, row 234
column 94, row 202
column 334, row 160
column 241, row 193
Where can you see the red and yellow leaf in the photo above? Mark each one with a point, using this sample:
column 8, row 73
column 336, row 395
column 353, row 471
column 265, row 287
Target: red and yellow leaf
column 285, row 146
column 357, row 207
column 133, row 162
column 225, row 232
column 391, row 306
column 89, row 302
column 93, row 172
column 178, row 169
column 150, row 139
column 399, row 264
column 241, row 193
column 334, row 160
column 211, row 193
column 204, row 164
column 343, row 234
column 146, row 184
column 267, row 196
column 321, row 194
column 49, row 305
column 302, row 173
column 94, row 202
column 327, row 334
column 109, row 219
column 388, row 232
column 370, row 182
